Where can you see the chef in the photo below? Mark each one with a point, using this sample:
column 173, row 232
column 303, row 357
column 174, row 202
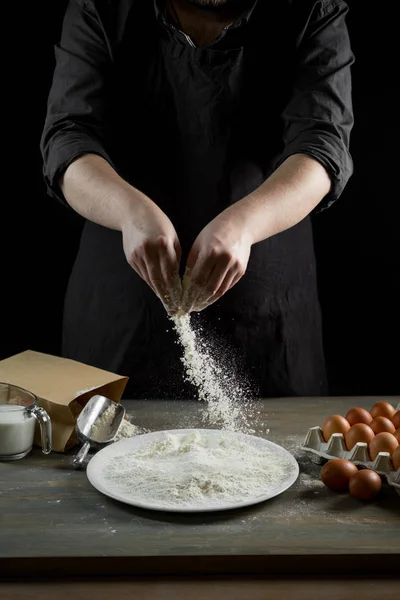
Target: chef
column 198, row 137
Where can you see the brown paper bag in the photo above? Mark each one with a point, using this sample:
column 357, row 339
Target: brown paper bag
column 63, row 387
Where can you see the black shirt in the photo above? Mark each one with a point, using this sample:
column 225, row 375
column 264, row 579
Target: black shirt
column 197, row 129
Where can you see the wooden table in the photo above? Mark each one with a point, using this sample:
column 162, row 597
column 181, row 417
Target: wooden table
column 54, row 524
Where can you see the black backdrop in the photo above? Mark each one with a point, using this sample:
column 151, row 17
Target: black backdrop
column 358, row 262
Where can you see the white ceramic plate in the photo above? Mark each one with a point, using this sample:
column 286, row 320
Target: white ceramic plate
column 102, row 460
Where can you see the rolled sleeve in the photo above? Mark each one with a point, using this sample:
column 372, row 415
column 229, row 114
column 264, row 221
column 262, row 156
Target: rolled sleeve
column 319, row 117
column 76, row 119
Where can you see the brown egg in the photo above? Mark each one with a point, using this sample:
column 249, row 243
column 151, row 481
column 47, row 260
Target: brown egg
column 396, row 420
column 397, row 435
column 383, row 442
column 358, row 415
column 334, row 424
column 382, row 409
column 396, row 458
column 358, row 433
column 336, row 474
column 365, row 485
column 380, row 424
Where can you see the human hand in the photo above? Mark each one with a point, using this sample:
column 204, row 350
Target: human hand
column 153, row 250
column 217, row 261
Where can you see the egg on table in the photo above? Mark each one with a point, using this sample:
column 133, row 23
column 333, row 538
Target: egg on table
column 382, row 409
column 358, row 433
column 334, row 424
column 396, row 420
column 382, row 442
column 336, row 474
column 365, row 485
column 381, row 424
column 358, row 415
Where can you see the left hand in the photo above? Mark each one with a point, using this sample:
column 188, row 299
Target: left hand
column 216, row 262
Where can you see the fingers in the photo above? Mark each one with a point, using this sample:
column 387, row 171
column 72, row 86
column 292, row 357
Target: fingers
column 225, row 284
column 169, row 266
column 156, row 261
column 141, row 270
column 192, row 259
column 196, row 283
column 151, row 259
column 230, row 279
column 218, row 276
column 191, row 285
column 178, row 251
column 223, row 277
column 163, row 268
column 205, row 275
column 236, row 279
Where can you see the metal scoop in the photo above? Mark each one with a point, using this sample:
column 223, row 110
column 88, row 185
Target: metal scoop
column 86, row 421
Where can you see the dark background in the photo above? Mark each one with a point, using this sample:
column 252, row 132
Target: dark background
column 359, row 264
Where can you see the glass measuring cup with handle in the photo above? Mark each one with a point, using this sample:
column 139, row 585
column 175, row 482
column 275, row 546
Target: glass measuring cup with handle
column 19, row 410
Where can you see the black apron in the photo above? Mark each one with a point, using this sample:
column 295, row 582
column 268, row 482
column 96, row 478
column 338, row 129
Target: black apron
column 197, row 130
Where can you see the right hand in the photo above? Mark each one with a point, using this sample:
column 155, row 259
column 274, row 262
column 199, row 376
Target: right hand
column 153, row 250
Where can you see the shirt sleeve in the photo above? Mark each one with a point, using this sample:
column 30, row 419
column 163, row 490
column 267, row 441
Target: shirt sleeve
column 319, row 117
column 76, row 121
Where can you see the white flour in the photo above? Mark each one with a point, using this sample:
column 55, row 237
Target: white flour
column 195, row 469
column 216, row 383
column 102, row 427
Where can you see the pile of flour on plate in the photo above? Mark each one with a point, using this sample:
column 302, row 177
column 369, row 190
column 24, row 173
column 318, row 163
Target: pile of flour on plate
column 215, row 380
column 196, row 469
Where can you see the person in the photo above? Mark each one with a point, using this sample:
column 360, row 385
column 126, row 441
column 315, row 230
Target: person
column 199, row 137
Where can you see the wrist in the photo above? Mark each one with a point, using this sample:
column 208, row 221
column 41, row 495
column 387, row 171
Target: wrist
column 246, row 217
column 133, row 204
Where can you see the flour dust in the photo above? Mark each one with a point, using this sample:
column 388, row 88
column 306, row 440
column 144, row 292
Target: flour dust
column 215, row 379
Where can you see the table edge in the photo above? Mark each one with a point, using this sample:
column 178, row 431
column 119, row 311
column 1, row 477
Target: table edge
column 382, row 564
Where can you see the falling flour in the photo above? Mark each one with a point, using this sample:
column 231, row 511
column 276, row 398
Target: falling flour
column 197, row 470
column 102, row 427
column 216, row 384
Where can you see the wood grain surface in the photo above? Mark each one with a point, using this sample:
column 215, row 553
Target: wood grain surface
column 52, row 522
column 339, row 589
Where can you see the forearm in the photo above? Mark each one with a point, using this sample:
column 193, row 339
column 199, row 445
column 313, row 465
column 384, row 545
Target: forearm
column 284, row 199
column 95, row 191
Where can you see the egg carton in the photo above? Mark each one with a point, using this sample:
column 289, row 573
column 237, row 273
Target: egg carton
column 335, row 447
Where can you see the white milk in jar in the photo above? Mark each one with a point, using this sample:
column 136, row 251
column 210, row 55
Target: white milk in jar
column 17, row 429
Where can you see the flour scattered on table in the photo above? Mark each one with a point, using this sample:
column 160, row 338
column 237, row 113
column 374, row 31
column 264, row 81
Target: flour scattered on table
column 196, row 469
column 228, row 403
column 126, row 430
column 103, row 425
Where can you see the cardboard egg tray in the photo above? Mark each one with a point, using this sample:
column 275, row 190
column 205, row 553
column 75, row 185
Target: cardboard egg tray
column 322, row 451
